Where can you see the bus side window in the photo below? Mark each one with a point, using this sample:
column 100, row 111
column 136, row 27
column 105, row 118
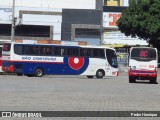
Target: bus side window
column 101, row 53
column 46, row 50
column 57, row 51
column 63, row 51
column 19, row 49
column 72, row 51
column 83, row 52
column 98, row 53
column 75, row 52
column 95, row 53
column 32, row 50
column 35, row 51
column 86, row 52
column 28, row 50
column 89, row 52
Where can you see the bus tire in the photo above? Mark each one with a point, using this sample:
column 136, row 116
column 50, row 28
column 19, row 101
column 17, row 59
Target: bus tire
column 90, row 76
column 132, row 79
column 39, row 72
column 99, row 73
column 153, row 80
column 29, row 75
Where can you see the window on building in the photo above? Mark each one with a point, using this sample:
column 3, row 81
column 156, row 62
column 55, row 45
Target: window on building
column 87, row 33
column 26, row 30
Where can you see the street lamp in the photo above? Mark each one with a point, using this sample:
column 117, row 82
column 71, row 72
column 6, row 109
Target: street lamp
column 13, row 23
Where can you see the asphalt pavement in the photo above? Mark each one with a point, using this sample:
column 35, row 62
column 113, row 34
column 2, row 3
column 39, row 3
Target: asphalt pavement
column 77, row 93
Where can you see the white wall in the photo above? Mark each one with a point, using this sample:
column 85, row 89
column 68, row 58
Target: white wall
column 42, row 5
column 31, row 19
column 49, row 20
column 79, row 4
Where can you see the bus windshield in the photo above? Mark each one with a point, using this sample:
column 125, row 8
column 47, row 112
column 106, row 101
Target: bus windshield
column 143, row 54
column 112, row 58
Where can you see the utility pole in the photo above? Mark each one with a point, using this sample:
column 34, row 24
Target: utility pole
column 101, row 28
column 13, row 23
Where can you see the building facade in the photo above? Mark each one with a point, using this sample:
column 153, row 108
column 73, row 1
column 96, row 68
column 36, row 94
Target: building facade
column 93, row 21
column 116, row 2
column 31, row 23
column 111, row 35
column 82, row 25
column 43, row 20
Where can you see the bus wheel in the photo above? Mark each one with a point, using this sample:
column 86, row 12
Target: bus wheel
column 39, row 72
column 90, row 76
column 99, row 73
column 132, row 79
column 29, row 75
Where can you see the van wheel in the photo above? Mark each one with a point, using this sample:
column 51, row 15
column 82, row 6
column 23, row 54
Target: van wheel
column 99, row 73
column 39, row 72
column 132, row 79
column 153, row 80
column 90, row 76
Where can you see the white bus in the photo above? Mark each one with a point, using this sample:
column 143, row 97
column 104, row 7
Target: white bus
column 40, row 59
column 143, row 63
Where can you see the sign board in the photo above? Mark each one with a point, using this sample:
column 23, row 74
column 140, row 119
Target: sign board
column 110, row 19
column 5, row 13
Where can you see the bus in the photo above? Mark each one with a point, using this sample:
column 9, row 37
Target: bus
column 143, row 63
column 44, row 59
column 1, row 58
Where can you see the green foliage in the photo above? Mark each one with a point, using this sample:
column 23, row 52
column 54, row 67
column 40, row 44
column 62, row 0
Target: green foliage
column 142, row 19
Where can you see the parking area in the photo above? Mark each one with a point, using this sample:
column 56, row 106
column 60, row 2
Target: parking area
column 77, row 93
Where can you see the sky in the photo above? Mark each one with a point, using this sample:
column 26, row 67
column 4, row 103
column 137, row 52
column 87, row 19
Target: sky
column 90, row 4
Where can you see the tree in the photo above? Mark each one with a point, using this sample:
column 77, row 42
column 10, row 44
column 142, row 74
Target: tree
column 142, row 19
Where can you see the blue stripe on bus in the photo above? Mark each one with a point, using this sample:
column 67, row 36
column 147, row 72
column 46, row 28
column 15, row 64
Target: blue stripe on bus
column 50, row 68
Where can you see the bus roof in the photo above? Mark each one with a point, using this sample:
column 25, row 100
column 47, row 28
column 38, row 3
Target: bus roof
column 85, row 46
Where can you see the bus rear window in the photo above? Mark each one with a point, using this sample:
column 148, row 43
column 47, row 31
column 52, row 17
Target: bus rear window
column 143, row 53
column 6, row 46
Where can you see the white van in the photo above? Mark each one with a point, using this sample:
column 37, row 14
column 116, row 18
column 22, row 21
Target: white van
column 143, row 63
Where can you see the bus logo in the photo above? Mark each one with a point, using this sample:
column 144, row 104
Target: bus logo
column 76, row 62
column 6, row 114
